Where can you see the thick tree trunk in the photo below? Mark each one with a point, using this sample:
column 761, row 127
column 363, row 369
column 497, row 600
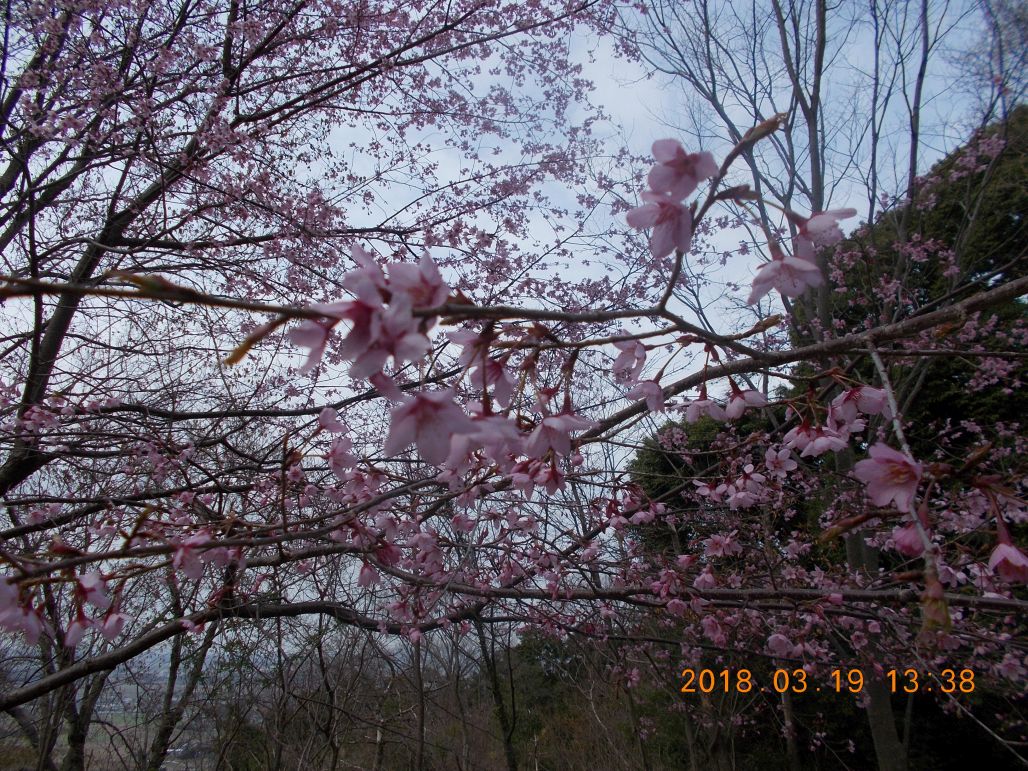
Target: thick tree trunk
column 419, row 685
column 889, row 750
column 792, row 750
column 79, row 719
column 506, row 729
column 172, row 714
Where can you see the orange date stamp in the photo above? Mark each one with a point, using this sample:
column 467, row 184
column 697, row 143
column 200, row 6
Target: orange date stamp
column 950, row 681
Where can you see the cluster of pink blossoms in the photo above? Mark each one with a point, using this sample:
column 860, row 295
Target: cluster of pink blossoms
column 673, row 179
column 793, row 274
column 627, row 368
column 746, row 488
column 90, row 589
column 738, row 401
column 381, row 318
column 383, row 324
column 890, row 476
column 843, row 419
column 15, row 616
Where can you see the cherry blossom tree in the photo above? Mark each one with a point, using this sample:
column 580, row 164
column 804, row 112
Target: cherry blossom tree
column 281, row 354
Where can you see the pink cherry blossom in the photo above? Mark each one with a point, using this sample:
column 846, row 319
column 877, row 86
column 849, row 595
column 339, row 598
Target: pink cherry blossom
column 554, row 433
column 550, row 478
column 386, row 386
column 874, row 401
column 821, row 440
column 475, row 346
column 751, row 479
column 397, row 335
column 1012, row 669
column 813, row 441
column 780, row 645
column 863, row 399
column 677, row 607
column 889, row 476
column 740, row 497
column 30, row 623
column 15, row 617
column 112, row 625
column 93, row 590
column 313, row 335
column 949, row 576
column 630, row 362
column 9, row 606
column 368, row 576
column 523, row 475
column 723, row 545
column 328, row 419
column 363, row 314
column 704, row 407
column 388, row 554
column 590, row 552
column 651, row 391
column 709, row 490
column 705, row 580
column 643, row 517
column 493, row 373
column 497, row 436
column 823, row 228
column 798, row 437
column 741, row 399
column 790, row 275
column 340, row 460
column 186, row 557
column 779, row 462
column 421, row 282
column 463, row 523
column 820, row 230
column 76, row 630
column 1009, row 563
column 713, row 631
column 367, row 282
column 365, row 318
column 430, row 419
column 907, row 540
column 671, row 222
column 677, row 173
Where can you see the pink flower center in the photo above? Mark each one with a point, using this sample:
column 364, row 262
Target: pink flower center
column 899, row 473
column 668, row 212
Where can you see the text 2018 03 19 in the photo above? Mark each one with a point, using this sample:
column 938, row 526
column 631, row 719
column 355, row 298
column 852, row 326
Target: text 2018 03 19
column 839, row 680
